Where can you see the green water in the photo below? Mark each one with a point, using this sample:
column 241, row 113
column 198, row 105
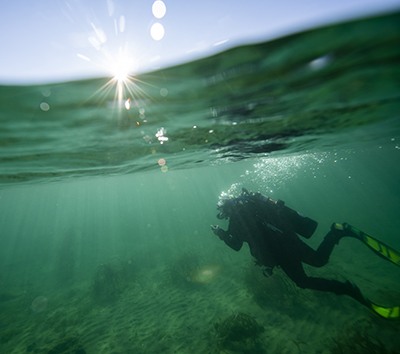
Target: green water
column 105, row 211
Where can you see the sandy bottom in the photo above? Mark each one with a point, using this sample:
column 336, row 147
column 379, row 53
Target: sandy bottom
column 189, row 304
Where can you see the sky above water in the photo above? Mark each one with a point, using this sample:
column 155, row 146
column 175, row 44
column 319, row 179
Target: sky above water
column 58, row 40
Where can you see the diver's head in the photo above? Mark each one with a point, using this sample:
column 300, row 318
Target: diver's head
column 228, row 203
column 225, row 208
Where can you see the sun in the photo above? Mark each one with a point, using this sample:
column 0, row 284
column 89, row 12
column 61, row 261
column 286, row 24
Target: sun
column 123, row 83
column 121, row 75
column 121, row 67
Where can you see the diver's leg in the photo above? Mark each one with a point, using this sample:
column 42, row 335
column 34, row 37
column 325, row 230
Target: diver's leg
column 315, row 258
column 294, row 270
column 320, row 257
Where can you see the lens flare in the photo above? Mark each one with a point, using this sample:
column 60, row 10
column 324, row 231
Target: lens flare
column 159, row 9
column 157, row 31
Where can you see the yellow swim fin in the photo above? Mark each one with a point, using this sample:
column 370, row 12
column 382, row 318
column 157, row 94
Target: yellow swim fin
column 382, row 250
column 377, row 246
column 386, row 312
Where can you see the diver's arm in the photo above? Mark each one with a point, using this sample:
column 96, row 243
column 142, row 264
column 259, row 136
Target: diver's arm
column 232, row 241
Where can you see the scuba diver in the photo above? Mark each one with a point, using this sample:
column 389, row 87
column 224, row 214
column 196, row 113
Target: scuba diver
column 271, row 230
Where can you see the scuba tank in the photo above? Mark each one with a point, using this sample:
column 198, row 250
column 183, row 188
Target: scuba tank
column 277, row 214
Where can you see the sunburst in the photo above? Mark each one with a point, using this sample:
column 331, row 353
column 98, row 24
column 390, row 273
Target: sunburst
column 123, row 82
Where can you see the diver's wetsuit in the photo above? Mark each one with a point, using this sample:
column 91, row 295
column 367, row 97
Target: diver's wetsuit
column 273, row 247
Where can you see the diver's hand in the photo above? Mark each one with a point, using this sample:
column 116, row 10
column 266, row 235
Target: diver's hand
column 215, row 228
column 218, row 231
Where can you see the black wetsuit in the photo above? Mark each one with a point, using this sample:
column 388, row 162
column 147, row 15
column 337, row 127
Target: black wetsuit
column 271, row 247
